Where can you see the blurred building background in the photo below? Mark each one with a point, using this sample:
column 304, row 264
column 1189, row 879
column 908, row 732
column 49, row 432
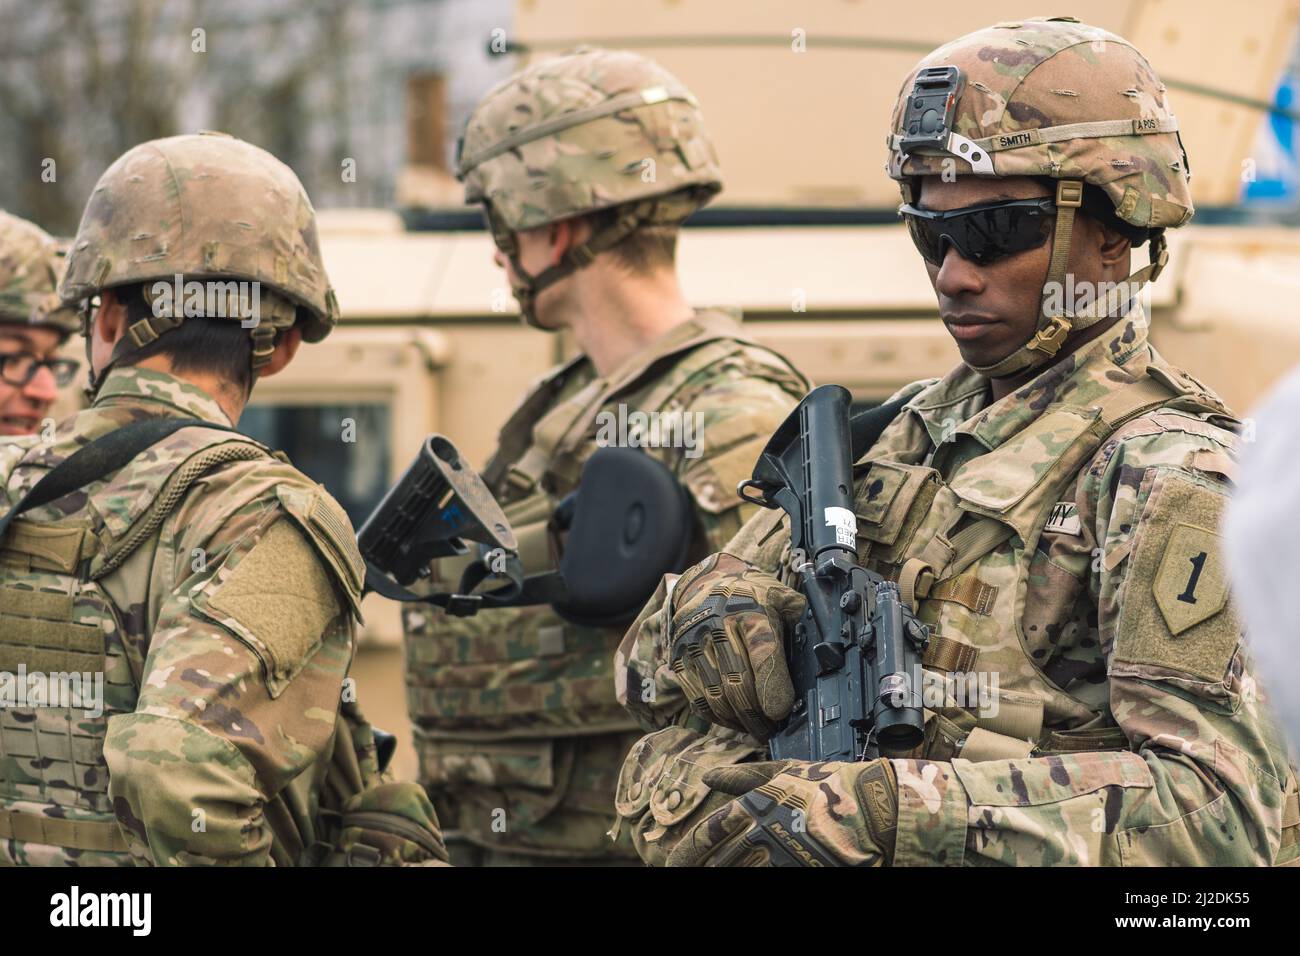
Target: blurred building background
column 365, row 98
column 385, row 83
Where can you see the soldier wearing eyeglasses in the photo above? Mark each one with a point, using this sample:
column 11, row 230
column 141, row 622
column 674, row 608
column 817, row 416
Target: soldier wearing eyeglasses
column 1050, row 509
column 33, row 325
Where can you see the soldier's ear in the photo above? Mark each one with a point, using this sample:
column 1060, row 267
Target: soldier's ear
column 111, row 318
column 1113, row 247
column 286, row 347
column 565, row 235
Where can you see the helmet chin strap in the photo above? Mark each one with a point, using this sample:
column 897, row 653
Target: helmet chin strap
column 148, row 330
column 1056, row 319
column 526, row 286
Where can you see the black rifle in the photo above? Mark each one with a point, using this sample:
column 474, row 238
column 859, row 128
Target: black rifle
column 854, row 655
column 629, row 523
column 437, row 509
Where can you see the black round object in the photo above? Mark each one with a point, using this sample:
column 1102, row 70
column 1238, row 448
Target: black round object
column 632, row 523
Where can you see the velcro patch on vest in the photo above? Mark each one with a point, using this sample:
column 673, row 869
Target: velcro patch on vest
column 1064, row 519
column 278, row 599
column 326, row 525
column 1175, row 610
column 1191, row 584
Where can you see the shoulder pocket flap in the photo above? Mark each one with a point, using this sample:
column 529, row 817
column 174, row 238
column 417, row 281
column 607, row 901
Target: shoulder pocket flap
column 1175, row 609
column 1027, row 783
column 887, row 494
column 995, row 483
column 276, row 598
column 326, row 525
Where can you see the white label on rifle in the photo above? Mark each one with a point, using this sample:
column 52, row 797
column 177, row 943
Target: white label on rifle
column 845, row 523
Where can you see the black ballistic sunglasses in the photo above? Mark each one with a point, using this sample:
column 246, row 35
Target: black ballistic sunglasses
column 981, row 234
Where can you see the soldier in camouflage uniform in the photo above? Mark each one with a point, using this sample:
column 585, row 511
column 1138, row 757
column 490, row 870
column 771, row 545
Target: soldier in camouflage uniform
column 208, row 584
column 585, row 165
column 34, row 322
column 1050, row 508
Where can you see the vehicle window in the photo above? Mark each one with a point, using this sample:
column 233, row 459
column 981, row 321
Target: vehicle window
column 346, row 447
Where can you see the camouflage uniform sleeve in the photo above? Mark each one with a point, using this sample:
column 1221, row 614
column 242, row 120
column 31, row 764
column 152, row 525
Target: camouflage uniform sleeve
column 241, row 685
column 661, row 793
column 738, row 405
column 1204, row 778
column 12, row 451
column 643, row 677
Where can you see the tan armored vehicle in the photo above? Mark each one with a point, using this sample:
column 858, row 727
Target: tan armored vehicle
column 804, row 239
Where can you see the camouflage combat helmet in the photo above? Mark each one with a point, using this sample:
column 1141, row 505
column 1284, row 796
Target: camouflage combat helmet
column 1049, row 98
column 31, row 262
column 205, row 207
column 590, row 130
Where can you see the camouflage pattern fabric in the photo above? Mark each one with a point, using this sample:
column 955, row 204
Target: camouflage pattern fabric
column 161, row 210
column 787, row 813
column 218, row 693
column 516, row 726
column 31, row 264
column 1026, row 77
column 726, row 654
column 1125, row 727
column 585, row 131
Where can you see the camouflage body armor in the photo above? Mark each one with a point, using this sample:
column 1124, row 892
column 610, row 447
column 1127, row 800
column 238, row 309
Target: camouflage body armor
column 64, row 609
column 936, row 521
column 516, row 726
column 228, row 733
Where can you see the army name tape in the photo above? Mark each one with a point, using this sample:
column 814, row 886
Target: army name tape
column 1057, row 134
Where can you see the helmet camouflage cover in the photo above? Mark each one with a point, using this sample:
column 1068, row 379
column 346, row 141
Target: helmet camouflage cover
column 31, row 263
column 585, row 131
column 205, row 206
column 589, row 130
column 1051, row 98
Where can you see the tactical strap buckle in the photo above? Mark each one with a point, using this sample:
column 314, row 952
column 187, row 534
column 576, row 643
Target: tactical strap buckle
column 263, row 345
column 464, row 605
column 148, row 331
column 363, row 854
column 1050, row 338
column 1159, row 257
column 1069, row 193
